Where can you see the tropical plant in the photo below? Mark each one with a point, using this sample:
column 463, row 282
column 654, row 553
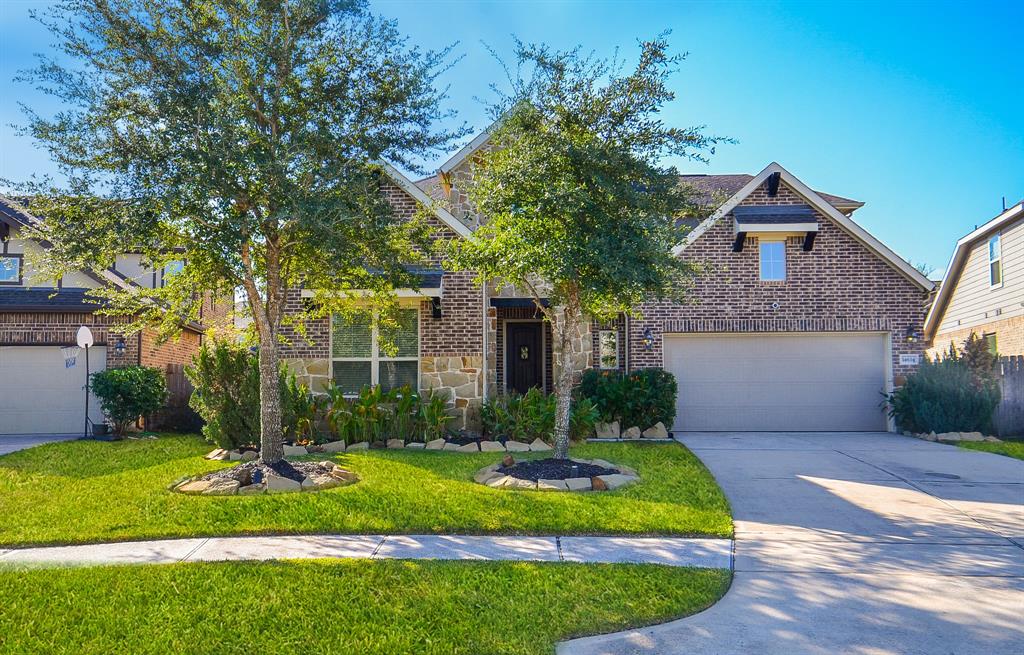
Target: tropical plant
column 434, row 416
column 581, row 214
column 585, row 416
column 128, row 393
column 299, row 411
column 248, row 133
column 406, row 414
column 640, row 398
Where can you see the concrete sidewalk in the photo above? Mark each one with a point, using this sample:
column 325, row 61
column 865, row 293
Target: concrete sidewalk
column 669, row 551
column 10, row 443
column 855, row 543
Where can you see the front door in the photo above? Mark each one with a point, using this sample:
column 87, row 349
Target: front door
column 523, row 356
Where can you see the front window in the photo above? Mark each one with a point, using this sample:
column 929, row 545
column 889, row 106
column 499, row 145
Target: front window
column 773, row 261
column 172, row 268
column 608, row 342
column 990, row 341
column 10, row 269
column 358, row 359
column 995, row 261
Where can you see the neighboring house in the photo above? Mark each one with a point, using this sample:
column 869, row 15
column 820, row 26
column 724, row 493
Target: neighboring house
column 983, row 288
column 802, row 322
column 38, row 394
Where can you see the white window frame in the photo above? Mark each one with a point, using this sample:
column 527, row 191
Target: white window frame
column 600, row 345
column 20, row 260
column 376, row 357
column 761, row 259
column 998, row 259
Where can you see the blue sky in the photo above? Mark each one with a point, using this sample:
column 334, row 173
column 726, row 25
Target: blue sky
column 915, row 108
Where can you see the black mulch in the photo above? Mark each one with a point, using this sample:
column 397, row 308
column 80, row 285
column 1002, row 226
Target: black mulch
column 553, row 469
column 256, row 471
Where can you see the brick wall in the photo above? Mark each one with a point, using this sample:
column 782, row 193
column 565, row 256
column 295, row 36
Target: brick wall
column 1009, row 336
column 172, row 351
column 840, row 285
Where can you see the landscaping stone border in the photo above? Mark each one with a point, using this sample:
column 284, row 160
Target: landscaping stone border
column 953, row 436
column 273, row 484
column 536, row 446
column 490, row 477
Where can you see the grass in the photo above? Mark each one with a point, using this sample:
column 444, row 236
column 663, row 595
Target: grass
column 1013, row 449
column 89, row 491
column 380, row 607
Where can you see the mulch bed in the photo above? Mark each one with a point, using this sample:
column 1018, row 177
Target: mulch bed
column 256, row 471
column 553, row 469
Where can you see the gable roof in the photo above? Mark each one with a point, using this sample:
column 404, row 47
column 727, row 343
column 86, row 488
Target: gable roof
column 466, row 151
column 959, row 259
column 707, row 186
column 418, row 194
column 815, row 200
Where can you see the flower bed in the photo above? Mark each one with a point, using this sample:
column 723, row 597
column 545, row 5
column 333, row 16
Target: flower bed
column 556, row 475
column 254, row 477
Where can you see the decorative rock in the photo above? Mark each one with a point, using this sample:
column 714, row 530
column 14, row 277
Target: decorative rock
column 346, row 477
column 508, row 460
column 450, row 445
column 627, row 470
column 321, row 481
column 498, row 482
column 362, row 445
column 491, row 447
column 249, row 455
column 295, row 451
column 597, row 484
column 607, row 430
column 656, row 431
column 251, row 490
column 603, row 463
column 517, row 446
column 195, row 487
column 217, row 454
column 234, row 456
column 221, row 487
column 972, row 436
column 277, row 484
column 538, row 446
column 177, row 483
column 578, row 484
column 396, row 443
column 436, row 444
column 484, row 475
column 631, row 433
column 469, row 448
column 334, row 447
column 552, row 485
column 518, row 483
column 415, row 445
column 377, row 445
column 615, row 480
column 993, row 439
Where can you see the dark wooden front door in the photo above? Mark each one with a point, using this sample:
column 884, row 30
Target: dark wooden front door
column 524, row 355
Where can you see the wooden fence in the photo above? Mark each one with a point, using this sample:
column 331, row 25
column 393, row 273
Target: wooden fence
column 1009, row 417
column 176, row 415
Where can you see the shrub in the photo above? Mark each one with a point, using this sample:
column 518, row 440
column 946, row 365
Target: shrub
column 584, row 417
column 374, row 415
column 129, row 393
column 641, row 398
column 945, row 396
column 532, row 416
column 226, row 378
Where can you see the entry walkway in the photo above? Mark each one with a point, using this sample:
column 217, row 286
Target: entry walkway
column 669, row 551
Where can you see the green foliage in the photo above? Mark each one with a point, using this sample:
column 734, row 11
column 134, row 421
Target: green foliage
column 945, row 396
column 641, row 398
column 435, row 416
column 247, row 133
column 375, row 415
column 584, row 417
column 532, row 416
column 226, row 379
column 979, row 359
column 128, row 393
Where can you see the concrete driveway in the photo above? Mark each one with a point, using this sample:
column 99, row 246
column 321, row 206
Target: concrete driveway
column 12, row 442
column 856, row 543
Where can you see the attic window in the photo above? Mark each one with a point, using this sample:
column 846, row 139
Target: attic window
column 773, row 261
column 10, row 269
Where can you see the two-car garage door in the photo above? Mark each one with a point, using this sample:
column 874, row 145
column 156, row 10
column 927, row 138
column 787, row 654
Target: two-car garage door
column 778, row 382
column 39, row 395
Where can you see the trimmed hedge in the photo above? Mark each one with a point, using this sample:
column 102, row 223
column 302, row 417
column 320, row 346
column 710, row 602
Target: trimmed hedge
column 640, row 398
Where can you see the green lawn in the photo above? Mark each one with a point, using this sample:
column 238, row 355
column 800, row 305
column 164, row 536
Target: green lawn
column 1008, row 448
column 354, row 606
column 89, row 491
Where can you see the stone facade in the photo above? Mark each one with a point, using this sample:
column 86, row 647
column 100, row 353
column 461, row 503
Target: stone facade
column 458, row 378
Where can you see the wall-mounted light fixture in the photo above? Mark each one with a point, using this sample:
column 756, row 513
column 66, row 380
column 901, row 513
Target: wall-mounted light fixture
column 648, row 339
column 912, row 334
column 435, row 307
column 119, row 347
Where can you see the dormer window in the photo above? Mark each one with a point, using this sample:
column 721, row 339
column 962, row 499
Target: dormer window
column 773, row 261
column 995, row 262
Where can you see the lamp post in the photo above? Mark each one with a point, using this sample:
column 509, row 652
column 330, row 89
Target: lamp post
column 85, row 341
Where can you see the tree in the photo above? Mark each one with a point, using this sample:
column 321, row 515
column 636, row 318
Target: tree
column 245, row 134
column 578, row 208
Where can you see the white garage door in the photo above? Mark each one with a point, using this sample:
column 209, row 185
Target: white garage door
column 38, row 395
column 776, row 382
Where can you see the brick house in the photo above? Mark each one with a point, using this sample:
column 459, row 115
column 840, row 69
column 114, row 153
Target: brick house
column 801, row 321
column 38, row 394
column 982, row 290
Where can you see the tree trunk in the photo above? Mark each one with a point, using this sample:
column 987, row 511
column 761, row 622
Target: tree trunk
column 564, row 328
column 271, row 434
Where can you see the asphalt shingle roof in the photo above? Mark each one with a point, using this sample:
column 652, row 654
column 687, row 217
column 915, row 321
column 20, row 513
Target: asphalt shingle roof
column 36, row 299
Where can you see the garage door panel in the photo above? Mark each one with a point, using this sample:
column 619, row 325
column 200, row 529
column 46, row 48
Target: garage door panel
column 778, row 382
column 39, row 395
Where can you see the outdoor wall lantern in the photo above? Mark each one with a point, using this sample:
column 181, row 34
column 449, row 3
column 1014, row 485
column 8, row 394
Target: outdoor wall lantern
column 119, row 347
column 648, row 339
column 912, row 334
